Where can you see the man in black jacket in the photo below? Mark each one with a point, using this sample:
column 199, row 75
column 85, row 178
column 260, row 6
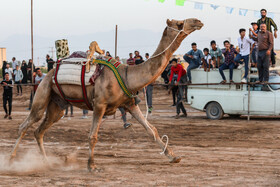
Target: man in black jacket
column 7, row 95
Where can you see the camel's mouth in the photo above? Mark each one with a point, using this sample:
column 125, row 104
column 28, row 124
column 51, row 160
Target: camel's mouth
column 199, row 26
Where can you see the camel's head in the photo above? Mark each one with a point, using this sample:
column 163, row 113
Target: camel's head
column 187, row 25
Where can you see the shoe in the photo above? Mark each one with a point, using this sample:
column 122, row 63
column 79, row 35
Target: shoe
column 244, row 80
column 264, row 82
column 177, row 116
column 72, row 116
column 6, row 116
column 150, row 110
column 65, row 115
column 189, row 82
column 223, row 82
column 184, row 115
column 84, row 117
column 28, row 108
column 10, row 117
column 257, row 82
column 240, row 66
column 231, row 81
column 273, row 65
column 127, row 125
column 174, row 104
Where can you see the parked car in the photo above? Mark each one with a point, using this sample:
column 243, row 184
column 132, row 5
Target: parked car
column 232, row 99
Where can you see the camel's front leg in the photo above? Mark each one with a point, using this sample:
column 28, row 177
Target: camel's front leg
column 97, row 117
column 137, row 114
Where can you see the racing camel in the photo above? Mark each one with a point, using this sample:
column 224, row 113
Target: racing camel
column 106, row 95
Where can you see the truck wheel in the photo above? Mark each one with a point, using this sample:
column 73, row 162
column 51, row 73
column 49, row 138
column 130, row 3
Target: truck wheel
column 214, row 111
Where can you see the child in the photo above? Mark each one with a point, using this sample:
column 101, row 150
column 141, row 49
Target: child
column 254, row 36
column 207, row 62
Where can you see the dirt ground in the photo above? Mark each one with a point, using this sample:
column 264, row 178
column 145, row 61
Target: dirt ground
column 228, row 152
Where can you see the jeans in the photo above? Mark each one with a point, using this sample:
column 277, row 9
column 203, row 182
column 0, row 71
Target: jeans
column 9, row 99
column 263, row 65
column 71, row 109
column 149, row 94
column 179, row 104
column 225, row 66
column 19, row 88
column 85, row 112
column 123, row 114
column 272, row 57
column 246, row 60
column 193, row 63
column 255, row 55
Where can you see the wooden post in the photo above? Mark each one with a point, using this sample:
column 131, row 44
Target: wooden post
column 32, row 69
column 116, row 41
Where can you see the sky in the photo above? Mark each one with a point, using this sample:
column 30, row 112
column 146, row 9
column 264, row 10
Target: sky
column 56, row 19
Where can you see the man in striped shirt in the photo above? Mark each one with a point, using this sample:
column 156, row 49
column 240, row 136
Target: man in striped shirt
column 269, row 22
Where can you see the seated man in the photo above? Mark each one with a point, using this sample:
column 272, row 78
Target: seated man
column 229, row 63
column 193, row 57
column 216, row 54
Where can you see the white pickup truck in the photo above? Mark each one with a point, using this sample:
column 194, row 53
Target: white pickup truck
column 217, row 100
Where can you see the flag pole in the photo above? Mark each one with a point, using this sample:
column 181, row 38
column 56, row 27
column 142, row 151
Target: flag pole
column 32, row 69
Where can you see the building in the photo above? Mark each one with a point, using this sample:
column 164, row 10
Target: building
column 3, row 56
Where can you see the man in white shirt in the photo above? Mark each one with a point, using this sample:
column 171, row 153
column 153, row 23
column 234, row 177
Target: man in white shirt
column 245, row 50
column 14, row 63
column 10, row 71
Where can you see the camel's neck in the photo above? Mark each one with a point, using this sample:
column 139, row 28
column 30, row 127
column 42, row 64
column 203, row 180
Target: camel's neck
column 143, row 74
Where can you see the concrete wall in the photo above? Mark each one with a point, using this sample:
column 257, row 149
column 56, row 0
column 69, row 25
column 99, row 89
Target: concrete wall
column 3, row 56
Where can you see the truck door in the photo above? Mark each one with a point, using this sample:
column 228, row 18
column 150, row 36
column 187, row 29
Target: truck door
column 262, row 100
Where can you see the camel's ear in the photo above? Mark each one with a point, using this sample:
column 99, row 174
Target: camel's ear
column 168, row 22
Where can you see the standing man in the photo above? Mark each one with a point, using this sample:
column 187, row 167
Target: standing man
column 265, row 44
column 268, row 22
column 138, row 58
column 177, row 69
column 229, row 53
column 131, row 60
column 216, row 54
column 50, row 62
column 14, row 63
column 7, row 95
column 9, row 71
column 18, row 78
column 149, row 91
column 193, row 57
column 245, row 50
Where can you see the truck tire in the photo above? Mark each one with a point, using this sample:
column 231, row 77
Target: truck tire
column 214, row 111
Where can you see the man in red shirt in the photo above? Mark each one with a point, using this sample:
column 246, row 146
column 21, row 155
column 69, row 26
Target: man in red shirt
column 177, row 69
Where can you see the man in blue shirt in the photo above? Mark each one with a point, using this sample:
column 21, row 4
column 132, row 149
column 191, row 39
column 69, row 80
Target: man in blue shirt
column 193, row 57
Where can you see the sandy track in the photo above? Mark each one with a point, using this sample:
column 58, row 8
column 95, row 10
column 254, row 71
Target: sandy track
column 229, row 152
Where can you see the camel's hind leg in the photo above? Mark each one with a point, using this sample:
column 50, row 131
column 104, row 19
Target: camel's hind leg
column 54, row 113
column 137, row 114
column 40, row 103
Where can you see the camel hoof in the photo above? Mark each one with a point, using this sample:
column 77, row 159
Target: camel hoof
column 93, row 169
column 176, row 159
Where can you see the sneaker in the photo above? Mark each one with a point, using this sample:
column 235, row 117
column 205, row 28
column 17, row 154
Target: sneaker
column 223, row 82
column 127, row 125
column 240, row 66
column 66, row 115
column 173, row 105
column 231, row 81
column 6, row 116
column 273, row 65
column 150, row 110
column 244, row 80
column 177, row 116
column 10, row 117
column 72, row 116
column 184, row 115
column 84, row 117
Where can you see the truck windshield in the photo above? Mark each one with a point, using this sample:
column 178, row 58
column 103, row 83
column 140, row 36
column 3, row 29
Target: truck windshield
column 274, row 79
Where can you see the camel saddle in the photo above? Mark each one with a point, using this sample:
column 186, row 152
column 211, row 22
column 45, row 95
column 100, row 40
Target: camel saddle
column 72, row 70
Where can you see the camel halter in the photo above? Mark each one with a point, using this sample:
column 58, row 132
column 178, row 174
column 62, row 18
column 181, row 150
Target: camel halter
column 179, row 31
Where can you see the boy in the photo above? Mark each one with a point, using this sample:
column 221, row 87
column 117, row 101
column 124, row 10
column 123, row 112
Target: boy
column 254, row 36
column 244, row 45
column 207, row 63
column 18, row 79
column 216, row 54
column 7, row 95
